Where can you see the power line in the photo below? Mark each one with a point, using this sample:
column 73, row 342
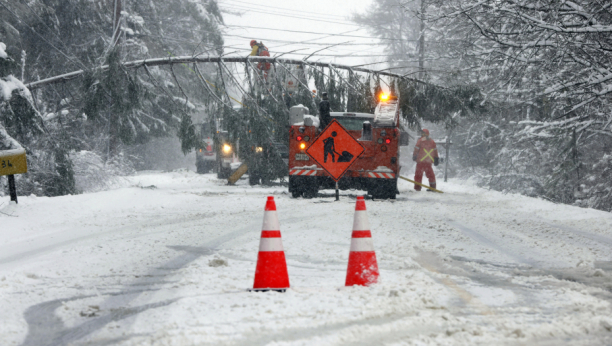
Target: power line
column 339, row 55
column 298, row 17
column 285, row 14
column 318, row 38
column 169, row 38
column 328, row 55
column 283, row 53
column 282, row 12
column 247, row 9
column 287, row 9
column 376, row 63
column 310, row 43
column 317, row 33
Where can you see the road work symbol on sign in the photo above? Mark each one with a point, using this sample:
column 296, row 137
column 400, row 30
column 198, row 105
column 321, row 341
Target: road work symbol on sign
column 329, row 148
column 335, row 150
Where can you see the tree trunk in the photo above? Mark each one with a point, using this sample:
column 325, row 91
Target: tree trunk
column 422, row 43
column 117, row 5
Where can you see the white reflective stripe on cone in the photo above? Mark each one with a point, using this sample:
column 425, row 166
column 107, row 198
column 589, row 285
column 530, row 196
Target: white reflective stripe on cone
column 361, row 222
column 270, row 221
column 271, row 244
column 362, row 244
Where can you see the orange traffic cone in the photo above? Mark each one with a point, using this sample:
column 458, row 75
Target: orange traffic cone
column 362, row 267
column 271, row 272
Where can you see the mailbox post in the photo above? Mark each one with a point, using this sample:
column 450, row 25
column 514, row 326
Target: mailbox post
column 13, row 162
column 12, row 188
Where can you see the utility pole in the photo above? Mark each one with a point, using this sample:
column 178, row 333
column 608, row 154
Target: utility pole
column 446, row 158
column 422, row 43
column 113, row 117
column 118, row 6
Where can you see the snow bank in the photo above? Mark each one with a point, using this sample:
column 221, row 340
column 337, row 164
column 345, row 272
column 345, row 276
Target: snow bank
column 12, row 152
column 91, row 174
column 8, row 84
column 7, row 142
column 3, row 54
column 167, row 260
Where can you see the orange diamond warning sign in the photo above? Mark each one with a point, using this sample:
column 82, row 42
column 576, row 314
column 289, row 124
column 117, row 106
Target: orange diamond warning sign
column 335, row 150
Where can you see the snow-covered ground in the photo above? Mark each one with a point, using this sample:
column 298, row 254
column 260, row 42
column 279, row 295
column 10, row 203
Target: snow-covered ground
column 167, row 260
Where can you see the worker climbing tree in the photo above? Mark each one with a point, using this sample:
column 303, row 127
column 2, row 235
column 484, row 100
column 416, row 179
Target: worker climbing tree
column 259, row 49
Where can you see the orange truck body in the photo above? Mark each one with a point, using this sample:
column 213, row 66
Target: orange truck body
column 376, row 170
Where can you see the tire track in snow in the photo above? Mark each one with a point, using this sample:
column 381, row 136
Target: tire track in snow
column 306, row 335
column 50, row 328
column 480, row 238
column 58, row 245
column 44, row 328
column 478, row 273
column 592, row 236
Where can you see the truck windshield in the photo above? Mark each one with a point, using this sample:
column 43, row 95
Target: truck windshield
column 352, row 124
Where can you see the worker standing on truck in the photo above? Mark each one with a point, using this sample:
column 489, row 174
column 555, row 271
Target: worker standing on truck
column 258, row 49
column 324, row 109
column 425, row 153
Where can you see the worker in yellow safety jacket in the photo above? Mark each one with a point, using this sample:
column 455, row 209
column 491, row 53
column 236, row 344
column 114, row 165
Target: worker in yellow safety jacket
column 425, row 153
column 258, row 49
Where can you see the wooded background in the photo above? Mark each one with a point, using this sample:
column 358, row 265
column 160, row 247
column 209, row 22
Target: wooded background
column 522, row 87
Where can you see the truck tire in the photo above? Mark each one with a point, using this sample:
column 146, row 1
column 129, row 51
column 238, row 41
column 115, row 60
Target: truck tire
column 391, row 189
column 200, row 167
column 224, row 173
column 203, row 167
column 253, row 178
column 311, row 191
column 385, row 189
column 294, row 187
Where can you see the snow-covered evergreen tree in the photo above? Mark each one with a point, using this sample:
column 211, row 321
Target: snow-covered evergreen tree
column 21, row 126
column 543, row 70
column 107, row 111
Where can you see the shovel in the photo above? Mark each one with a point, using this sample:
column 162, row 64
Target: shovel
column 344, row 157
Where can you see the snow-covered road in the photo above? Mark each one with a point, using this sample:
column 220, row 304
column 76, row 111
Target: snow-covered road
column 167, row 260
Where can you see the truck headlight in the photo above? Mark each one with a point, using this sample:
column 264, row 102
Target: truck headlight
column 227, row 148
column 258, row 149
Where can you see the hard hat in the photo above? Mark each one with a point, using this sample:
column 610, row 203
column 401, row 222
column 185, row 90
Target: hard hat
column 324, row 94
column 253, row 42
column 425, row 131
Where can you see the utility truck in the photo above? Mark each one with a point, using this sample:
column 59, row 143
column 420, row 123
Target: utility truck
column 216, row 151
column 376, row 170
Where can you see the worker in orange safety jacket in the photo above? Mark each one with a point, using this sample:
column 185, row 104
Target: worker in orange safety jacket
column 258, row 49
column 425, row 153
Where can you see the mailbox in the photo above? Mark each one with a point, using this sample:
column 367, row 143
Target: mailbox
column 13, row 162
